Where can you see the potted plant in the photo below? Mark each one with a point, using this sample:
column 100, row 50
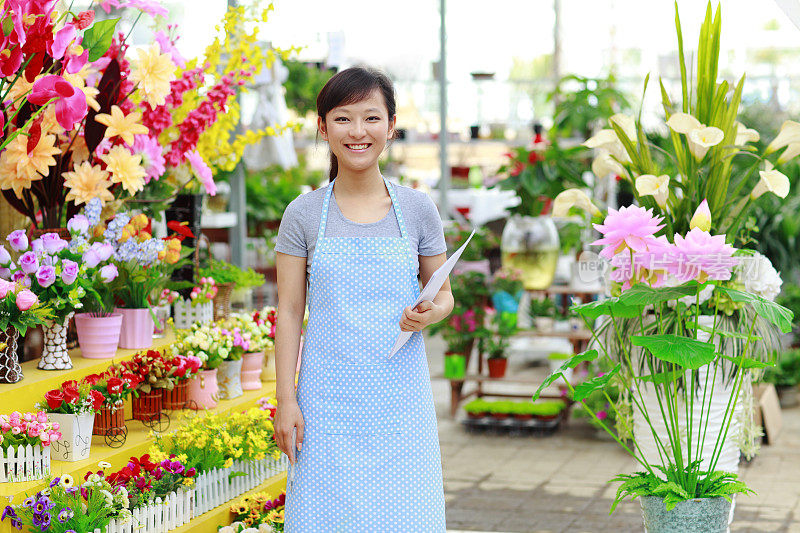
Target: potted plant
column 259, row 341
column 521, row 411
column 18, row 432
column 548, row 410
column 199, row 307
column 234, row 344
column 501, row 410
column 543, row 312
column 228, row 276
column 475, row 256
column 267, row 319
column 116, row 385
column 151, row 371
column 507, row 290
column 20, row 309
column 496, row 341
column 180, row 370
column 204, row 342
column 477, row 408
column 162, row 311
column 786, row 376
column 72, row 407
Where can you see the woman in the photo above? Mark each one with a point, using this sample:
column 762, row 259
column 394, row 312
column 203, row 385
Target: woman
column 360, row 432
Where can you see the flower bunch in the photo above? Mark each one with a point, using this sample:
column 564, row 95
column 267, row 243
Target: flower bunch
column 204, row 292
column 21, row 429
column 72, row 398
column 204, row 341
column 239, row 341
column 261, row 333
column 268, row 404
column 145, row 480
column 20, row 308
column 267, row 318
column 182, row 367
column 114, row 385
column 150, row 369
column 116, row 499
column 258, row 509
column 166, row 297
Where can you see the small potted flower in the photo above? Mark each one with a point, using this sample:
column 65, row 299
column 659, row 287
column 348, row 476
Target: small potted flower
column 477, row 408
column 180, row 370
column 543, row 313
column 203, row 342
column 72, row 407
column 17, row 432
column 500, row 410
column 162, row 309
column 260, row 339
column 267, row 320
column 496, row 341
column 199, row 308
column 115, row 385
column 235, row 344
column 151, row 369
column 20, row 309
column 229, row 276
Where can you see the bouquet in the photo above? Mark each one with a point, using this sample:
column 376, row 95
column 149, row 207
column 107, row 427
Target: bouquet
column 145, row 480
column 203, row 293
column 260, row 333
column 21, row 429
column 72, row 398
column 267, row 319
column 150, row 369
column 182, row 367
column 20, row 308
column 205, row 342
column 115, row 385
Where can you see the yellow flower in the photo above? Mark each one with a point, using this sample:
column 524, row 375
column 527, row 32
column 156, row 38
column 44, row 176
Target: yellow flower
column 125, row 168
column 126, row 126
column 228, row 463
column 153, row 71
column 19, row 167
column 87, row 181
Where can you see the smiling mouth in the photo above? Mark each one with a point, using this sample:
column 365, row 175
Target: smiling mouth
column 358, row 147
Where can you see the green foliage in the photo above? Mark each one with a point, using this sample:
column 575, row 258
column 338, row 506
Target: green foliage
column 11, row 316
column 303, row 85
column 224, row 272
column 478, row 405
column 790, row 298
column 583, row 103
column 97, row 38
column 509, row 407
column 481, row 244
column 569, row 237
column 542, row 308
column 787, row 372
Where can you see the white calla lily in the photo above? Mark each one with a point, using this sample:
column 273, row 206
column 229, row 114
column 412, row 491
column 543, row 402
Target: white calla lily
column 601, row 139
column 573, row 198
column 745, row 135
column 789, row 134
column 627, row 124
column 771, row 181
column 655, row 186
column 605, row 164
column 792, row 151
column 703, row 138
column 683, row 123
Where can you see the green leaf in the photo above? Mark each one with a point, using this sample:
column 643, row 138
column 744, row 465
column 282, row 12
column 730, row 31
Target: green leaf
column 546, row 383
column 588, row 355
column 723, row 333
column 98, row 37
column 660, row 378
column 609, row 306
column 748, row 362
column 642, row 294
column 777, row 314
column 587, row 387
column 683, row 351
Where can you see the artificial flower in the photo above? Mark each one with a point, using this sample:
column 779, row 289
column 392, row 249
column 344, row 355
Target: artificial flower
column 21, row 165
column 630, row 227
column 70, row 102
column 152, row 157
column 771, row 181
column 745, row 135
column 18, row 240
column 627, row 124
column 26, row 299
column 153, row 71
column 607, row 140
column 202, row 171
column 702, row 139
column 122, row 125
column 701, row 256
column 573, row 198
column 657, row 187
column 702, row 217
column 605, row 164
column 86, row 182
column 792, row 151
column 125, row 168
column 789, row 134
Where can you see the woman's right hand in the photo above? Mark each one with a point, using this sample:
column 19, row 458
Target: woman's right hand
column 287, row 417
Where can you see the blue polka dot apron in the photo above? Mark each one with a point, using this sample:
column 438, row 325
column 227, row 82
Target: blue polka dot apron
column 370, row 460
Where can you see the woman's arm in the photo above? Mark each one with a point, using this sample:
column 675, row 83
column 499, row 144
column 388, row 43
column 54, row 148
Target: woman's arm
column 427, row 313
column 291, row 271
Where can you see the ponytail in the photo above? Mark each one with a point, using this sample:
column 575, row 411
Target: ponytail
column 334, row 168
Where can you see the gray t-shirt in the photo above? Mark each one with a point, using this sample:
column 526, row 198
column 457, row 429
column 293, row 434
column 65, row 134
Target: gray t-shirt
column 300, row 223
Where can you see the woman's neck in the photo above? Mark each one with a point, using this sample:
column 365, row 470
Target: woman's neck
column 365, row 184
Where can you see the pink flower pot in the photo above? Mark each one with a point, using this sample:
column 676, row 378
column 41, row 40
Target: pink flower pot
column 137, row 328
column 251, row 370
column 202, row 392
column 98, row 336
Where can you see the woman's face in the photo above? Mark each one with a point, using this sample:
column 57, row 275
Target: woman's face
column 357, row 133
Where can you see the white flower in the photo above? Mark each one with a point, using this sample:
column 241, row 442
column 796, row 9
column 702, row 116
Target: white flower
column 771, row 181
column 607, row 140
column 104, row 464
column 573, row 197
column 790, row 153
column 657, row 187
column 627, row 124
column 605, row 164
column 759, row 276
column 701, row 139
column 745, row 135
column 789, row 134
column 683, row 123
column 109, row 497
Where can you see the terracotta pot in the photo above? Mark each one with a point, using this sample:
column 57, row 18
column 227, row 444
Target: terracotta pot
column 137, row 328
column 177, row 397
column 107, row 420
column 147, row 406
column 202, row 392
column 251, row 370
column 523, row 417
column 497, row 367
column 98, row 336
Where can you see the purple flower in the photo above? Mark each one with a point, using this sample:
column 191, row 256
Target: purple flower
column 46, row 276
column 53, row 243
column 29, row 262
column 54, row 482
column 5, row 257
column 37, row 246
column 18, row 240
column 90, row 258
column 28, row 502
column 631, row 227
column 105, row 251
column 45, row 521
column 5, row 272
column 65, row 514
column 109, row 273
column 69, row 271
column 78, row 224
column 20, row 277
column 8, row 512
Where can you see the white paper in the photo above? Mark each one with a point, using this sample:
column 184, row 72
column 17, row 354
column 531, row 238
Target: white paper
column 430, row 290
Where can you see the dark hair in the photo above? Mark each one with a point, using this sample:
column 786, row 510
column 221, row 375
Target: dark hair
column 348, row 87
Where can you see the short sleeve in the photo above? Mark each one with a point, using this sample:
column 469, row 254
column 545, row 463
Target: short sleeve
column 431, row 232
column 291, row 237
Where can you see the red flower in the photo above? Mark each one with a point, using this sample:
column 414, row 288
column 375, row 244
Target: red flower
column 83, row 20
column 516, row 169
column 181, row 229
column 54, row 399
column 115, row 385
column 71, row 393
column 191, row 472
column 97, row 399
column 91, row 379
column 534, row 158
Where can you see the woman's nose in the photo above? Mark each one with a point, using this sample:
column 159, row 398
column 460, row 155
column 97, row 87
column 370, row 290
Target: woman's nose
column 357, row 129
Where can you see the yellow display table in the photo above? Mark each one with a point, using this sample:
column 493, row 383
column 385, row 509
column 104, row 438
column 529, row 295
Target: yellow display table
column 23, row 396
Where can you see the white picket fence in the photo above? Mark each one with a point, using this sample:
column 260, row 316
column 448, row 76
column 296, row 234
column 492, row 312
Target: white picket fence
column 185, row 315
column 26, row 463
column 216, row 487
column 158, row 516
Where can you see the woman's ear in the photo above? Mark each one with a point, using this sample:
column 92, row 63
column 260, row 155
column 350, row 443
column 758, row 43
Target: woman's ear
column 323, row 131
column 392, row 122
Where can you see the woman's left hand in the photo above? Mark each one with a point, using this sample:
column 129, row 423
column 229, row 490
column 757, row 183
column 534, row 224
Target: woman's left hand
column 419, row 317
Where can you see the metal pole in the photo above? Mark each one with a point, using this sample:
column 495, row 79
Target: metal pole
column 238, row 204
column 444, row 167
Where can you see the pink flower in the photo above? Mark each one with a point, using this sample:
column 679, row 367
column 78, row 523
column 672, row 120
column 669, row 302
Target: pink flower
column 62, row 40
column 602, row 415
column 5, row 287
column 108, row 4
column 152, row 8
column 702, row 256
column 152, row 158
column 631, row 227
column 70, row 102
column 168, row 47
column 26, row 299
column 41, row 416
column 203, row 172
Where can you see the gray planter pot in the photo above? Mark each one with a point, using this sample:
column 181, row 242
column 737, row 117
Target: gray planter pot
column 702, row 515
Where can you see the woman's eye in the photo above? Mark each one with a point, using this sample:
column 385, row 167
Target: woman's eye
column 339, row 119
column 374, row 118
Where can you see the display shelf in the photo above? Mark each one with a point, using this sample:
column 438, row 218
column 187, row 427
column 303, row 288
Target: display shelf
column 138, row 442
column 221, row 515
column 23, row 395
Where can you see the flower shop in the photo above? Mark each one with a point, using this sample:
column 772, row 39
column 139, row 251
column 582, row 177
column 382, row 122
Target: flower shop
column 132, row 396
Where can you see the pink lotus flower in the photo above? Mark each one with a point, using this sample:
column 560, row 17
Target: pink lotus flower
column 70, row 102
column 631, row 227
column 701, row 256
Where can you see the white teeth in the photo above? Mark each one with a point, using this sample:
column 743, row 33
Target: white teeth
column 357, row 146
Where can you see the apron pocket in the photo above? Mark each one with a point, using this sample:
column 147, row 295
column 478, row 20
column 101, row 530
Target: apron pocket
column 360, row 399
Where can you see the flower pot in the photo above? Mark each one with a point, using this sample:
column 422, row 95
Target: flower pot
column 544, row 323
column 222, row 301
column 54, row 352
column 108, row 421
column 76, row 436
column 476, row 415
column 10, row 371
column 455, row 365
column 531, row 245
column 251, row 370
column 523, row 417
column 789, row 396
column 147, row 406
column 177, row 397
column 700, row 515
column 500, row 416
column 24, row 463
column 98, row 336
column 185, row 314
column 497, row 366
column 162, row 313
column 229, row 378
column 268, row 368
column 202, row 390
column 136, row 332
